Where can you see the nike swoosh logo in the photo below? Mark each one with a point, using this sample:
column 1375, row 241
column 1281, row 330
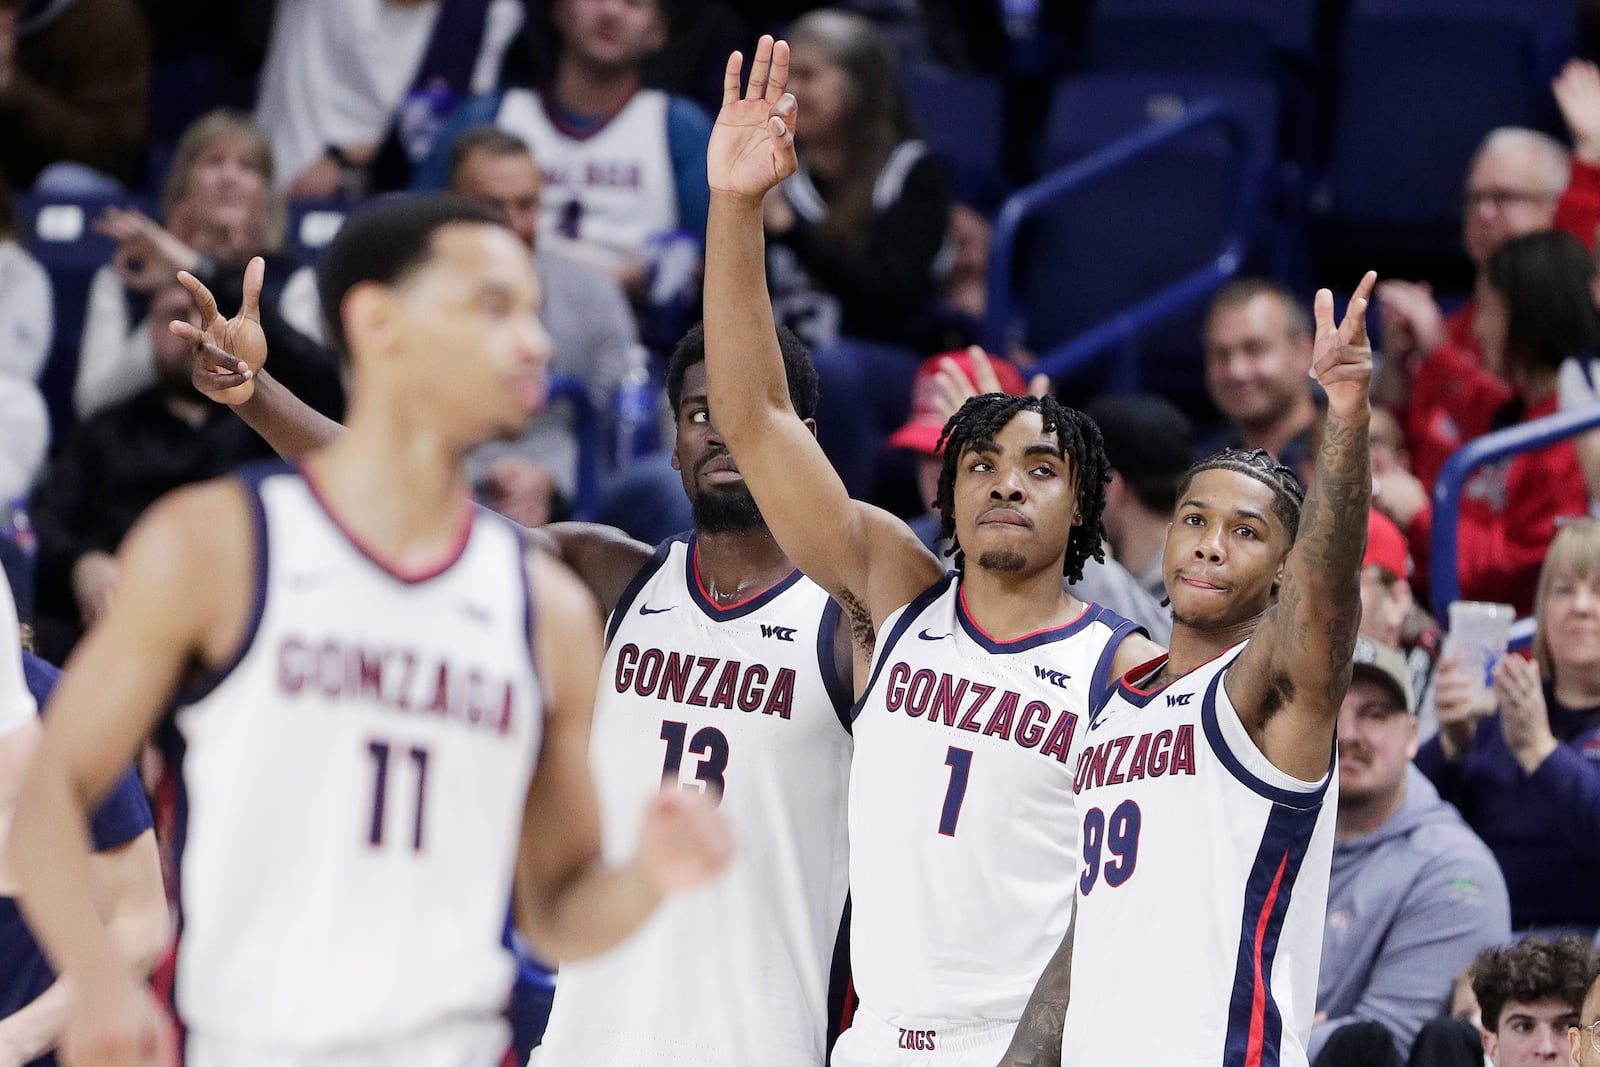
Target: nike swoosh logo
column 644, row 610
column 926, row 636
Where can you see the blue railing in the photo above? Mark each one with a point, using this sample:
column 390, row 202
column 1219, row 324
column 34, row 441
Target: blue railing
column 1443, row 575
column 1119, row 333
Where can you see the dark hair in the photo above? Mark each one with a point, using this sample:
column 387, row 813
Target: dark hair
column 1531, row 970
column 384, row 242
column 484, row 138
column 797, row 368
column 1240, row 291
column 981, row 418
column 1287, row 493
column 1544, row 278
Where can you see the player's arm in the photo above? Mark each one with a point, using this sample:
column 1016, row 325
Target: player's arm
column 170, row 615
column 569, row 904
column 1291, row 678
column 229, row 367
column 603, row 557
column 1037, row 1040
column 867, row 559
column 127, row 883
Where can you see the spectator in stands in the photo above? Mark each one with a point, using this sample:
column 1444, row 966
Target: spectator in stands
column 1390, row 614
column 74, row 93
column 1522, row 760
column 942, row 384
column 855, row 235
column 25, row 331
column 1534, row 311
column 588, row 319
column 1520, row 182
column 114, row 466
column 346, row 79
column 623, row 165
column 1258, row 362
column 1583, row 1039
column 220, row 209
column 1150, row 445
column 1530, row 995
column 1413, row 894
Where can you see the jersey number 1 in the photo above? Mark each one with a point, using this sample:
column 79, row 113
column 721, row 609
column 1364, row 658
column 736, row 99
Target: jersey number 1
column 379, row 751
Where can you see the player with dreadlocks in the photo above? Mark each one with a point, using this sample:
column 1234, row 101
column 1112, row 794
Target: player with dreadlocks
column 961, row 817
column 981, row 418
column 1201, row 776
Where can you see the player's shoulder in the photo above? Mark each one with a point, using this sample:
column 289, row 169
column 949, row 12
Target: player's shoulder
column 196, row 522
column 556, row 589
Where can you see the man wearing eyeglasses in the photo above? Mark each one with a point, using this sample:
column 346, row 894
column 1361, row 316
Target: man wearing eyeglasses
column 1583, row 1039
column 1521, row 181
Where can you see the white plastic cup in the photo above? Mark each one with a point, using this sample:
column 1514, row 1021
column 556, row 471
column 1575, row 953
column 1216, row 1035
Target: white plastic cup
column 1478, row 636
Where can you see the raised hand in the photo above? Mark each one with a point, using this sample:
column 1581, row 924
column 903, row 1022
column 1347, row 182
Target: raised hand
column 955, row 388
column 1524, row 717
column 148, row 255
column 685, row 842
column 1577, row 91
column 227, row 352
column 752, row 144
column 1341, row 359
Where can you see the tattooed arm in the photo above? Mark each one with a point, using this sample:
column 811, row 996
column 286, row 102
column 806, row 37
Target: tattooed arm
column 1289, row 682
column 1037, row 1041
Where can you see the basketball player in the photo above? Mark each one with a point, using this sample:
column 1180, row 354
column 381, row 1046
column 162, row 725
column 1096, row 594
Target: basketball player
column 381, row 706
column 1202, row 779
column 725, row 669
column 960, row 875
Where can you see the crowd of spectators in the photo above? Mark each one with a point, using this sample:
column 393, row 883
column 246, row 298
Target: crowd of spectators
column 1469, row 806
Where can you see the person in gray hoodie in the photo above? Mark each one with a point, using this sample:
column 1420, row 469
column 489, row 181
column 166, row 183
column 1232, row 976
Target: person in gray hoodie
column 1414, row 894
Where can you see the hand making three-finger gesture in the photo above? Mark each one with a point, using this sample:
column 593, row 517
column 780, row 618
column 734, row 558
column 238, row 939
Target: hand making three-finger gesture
column 752, row 144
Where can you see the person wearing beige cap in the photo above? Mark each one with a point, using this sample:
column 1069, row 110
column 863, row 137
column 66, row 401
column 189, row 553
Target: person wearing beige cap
column 1413, row 892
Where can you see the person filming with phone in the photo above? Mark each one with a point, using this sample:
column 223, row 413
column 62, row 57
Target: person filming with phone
column 1520, row 757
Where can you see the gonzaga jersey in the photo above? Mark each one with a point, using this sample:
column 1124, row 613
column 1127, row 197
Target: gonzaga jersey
column 742, row 702
column 962, row 853
column 1202, row 888
column 351, row 791
column 610, row 188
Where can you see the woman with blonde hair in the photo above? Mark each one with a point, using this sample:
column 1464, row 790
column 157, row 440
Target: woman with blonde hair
column 220, row 208
column 1522, row 759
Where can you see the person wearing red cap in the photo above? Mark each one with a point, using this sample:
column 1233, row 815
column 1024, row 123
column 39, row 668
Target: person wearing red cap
column 1390, row 614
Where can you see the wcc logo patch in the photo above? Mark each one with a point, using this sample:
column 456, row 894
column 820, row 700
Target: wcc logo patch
column 777, row 633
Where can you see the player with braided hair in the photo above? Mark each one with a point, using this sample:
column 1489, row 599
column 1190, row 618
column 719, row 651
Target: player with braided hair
column 982, row 417
column 961, row 815
column 1201, row 775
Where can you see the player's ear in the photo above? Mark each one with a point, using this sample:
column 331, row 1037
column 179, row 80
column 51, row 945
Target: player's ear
column 811, row 424
column 369, row 313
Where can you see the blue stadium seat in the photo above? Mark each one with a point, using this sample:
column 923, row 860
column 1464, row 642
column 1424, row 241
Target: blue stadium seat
column 1121, row 237
column 1421, row 82
column 1289, row 25
column 59, row 231
column 961, row 119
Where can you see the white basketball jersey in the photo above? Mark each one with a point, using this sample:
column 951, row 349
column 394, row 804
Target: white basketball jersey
column 351, row 791
column 609, row 189
column 744, row 702
column 1202, row 888
column 962, row 850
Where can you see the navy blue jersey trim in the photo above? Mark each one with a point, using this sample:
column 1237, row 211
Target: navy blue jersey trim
column 840, row 990
column 1090, row 613
column 175, row 748
column 250, row 478
column 838, row 691
column 1101, row 685
column 887, row 641
column 1289, row 798
column 1268, row 893
column 691, row 578
column 636, row 586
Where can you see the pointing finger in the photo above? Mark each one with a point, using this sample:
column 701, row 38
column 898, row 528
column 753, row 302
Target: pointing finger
column 780, row 71
column 757, row 89
column 730, row 79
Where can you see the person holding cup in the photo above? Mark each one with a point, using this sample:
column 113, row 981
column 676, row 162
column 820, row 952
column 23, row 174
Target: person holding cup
column 1521, row 757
